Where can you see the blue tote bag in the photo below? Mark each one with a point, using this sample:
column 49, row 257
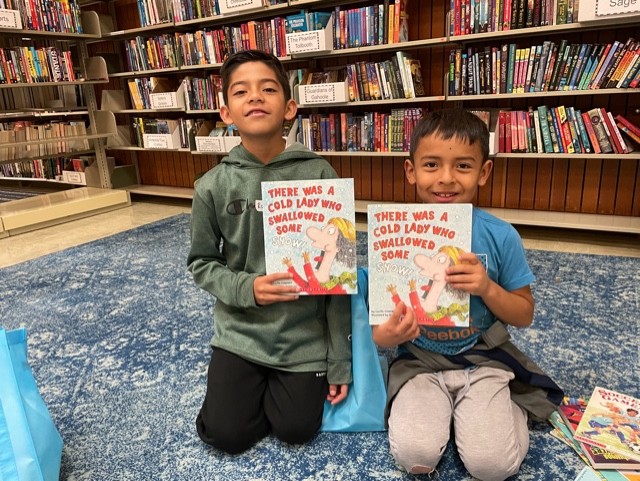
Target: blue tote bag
column 363, row 410
column 30, row 445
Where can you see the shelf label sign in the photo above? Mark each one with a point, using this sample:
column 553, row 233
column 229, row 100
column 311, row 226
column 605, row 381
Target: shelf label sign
column 616, row 7
column 210, row 144
column 164, row 100
column 228, row 6
column 303, row 42
column 157, row 141
column 323, row 93
column 10, row 19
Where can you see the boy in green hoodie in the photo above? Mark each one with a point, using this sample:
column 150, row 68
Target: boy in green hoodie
column 276, row 355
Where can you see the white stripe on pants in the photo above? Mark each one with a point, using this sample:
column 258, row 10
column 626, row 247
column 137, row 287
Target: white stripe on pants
column 491, row 431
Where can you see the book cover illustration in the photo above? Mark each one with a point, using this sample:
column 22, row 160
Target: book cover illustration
column 611, row 421
column 410, row 247
column 309, row 231
column 571, row 411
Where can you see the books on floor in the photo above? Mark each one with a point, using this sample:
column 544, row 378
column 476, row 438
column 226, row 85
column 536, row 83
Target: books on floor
column 606, row 464
column 611, row 421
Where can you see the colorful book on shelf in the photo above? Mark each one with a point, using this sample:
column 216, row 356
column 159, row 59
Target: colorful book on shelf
column 632, row 129
column 410, row 246
column 611, row 421
column 600, row 131
column 309, row 231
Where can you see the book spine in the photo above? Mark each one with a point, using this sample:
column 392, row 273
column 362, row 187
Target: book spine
column 635, row 129
column 593, row 138
column 613, row 132
column 544, row 129
column 584, row 136
column 600, row 132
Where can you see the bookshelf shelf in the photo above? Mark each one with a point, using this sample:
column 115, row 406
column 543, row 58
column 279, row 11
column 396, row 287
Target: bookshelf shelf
column 551, row 93
column 412, row 101
column 49, row 35
column 52, row 84
column 543, row 30
column 42, row 113
column 45, row 156
column 632, row 155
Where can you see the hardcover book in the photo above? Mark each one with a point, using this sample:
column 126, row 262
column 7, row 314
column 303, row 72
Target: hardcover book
column 611, row 421
column 309, row 231
column 410, row 247
column 571, row 410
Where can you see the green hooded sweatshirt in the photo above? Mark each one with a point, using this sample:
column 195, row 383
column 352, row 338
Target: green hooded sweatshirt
column 227, row 254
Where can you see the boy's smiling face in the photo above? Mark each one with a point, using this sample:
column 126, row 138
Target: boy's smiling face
column 447, row 171
column 256, row 103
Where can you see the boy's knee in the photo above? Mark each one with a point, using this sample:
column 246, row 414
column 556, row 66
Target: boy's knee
column 497, row 468
column 415, row 458
column 295, row 433
column 229, row 439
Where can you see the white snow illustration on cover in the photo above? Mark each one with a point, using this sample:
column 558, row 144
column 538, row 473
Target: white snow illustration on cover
column 409, row 247
column 309, row 231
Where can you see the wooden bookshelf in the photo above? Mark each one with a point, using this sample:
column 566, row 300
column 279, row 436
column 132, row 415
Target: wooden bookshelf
column 578, row 191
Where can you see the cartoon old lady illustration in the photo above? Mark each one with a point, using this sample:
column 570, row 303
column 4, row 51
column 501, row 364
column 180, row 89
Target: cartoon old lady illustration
column 337, row 242
column 429, row 310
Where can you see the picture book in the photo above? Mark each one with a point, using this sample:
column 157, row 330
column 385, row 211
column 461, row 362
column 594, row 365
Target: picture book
column 309, row 231
column 410, row 247
column 611, row 421
column 571, row 411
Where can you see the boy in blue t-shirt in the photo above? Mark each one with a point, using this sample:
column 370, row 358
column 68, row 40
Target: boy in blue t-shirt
column 432, row 384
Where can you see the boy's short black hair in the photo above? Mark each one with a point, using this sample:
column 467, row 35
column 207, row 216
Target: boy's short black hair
column 448, row 123
column 235, row 60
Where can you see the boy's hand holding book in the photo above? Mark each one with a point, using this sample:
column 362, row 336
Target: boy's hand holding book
column 266, row 290
column 399, row 328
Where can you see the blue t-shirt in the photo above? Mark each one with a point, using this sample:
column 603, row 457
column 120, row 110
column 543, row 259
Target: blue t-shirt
column 499, row 247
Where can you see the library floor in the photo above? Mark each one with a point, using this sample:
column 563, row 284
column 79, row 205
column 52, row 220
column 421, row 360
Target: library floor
column 22, row 247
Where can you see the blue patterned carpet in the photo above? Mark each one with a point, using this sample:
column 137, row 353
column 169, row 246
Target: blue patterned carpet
column 118, row 341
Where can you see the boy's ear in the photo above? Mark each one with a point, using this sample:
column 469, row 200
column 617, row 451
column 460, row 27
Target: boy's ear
column 410, row 171
column 225, row 115
column 485, row 171
column 290, row 110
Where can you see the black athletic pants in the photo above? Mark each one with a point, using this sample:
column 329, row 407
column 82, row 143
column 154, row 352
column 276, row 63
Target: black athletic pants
column 245, row 401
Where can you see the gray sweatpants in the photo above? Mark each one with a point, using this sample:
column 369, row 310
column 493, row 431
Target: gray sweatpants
column 491, row 431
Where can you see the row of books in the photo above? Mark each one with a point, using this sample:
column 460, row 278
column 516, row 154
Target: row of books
column 184, row 10
column 605, row 445
column 208, row 46
column 154, row 12
column 481, row 16
column 12, row 100
column 204, row 93
column 151, row 53
column 367, row 132
column 144, row 125
column 378, row 24
column 25, row 131
column 47, row 15
column 397, row 78
column 565, row 130
column 545, row 67
column 46, row 169
column 31, row 65
column 306, row 21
